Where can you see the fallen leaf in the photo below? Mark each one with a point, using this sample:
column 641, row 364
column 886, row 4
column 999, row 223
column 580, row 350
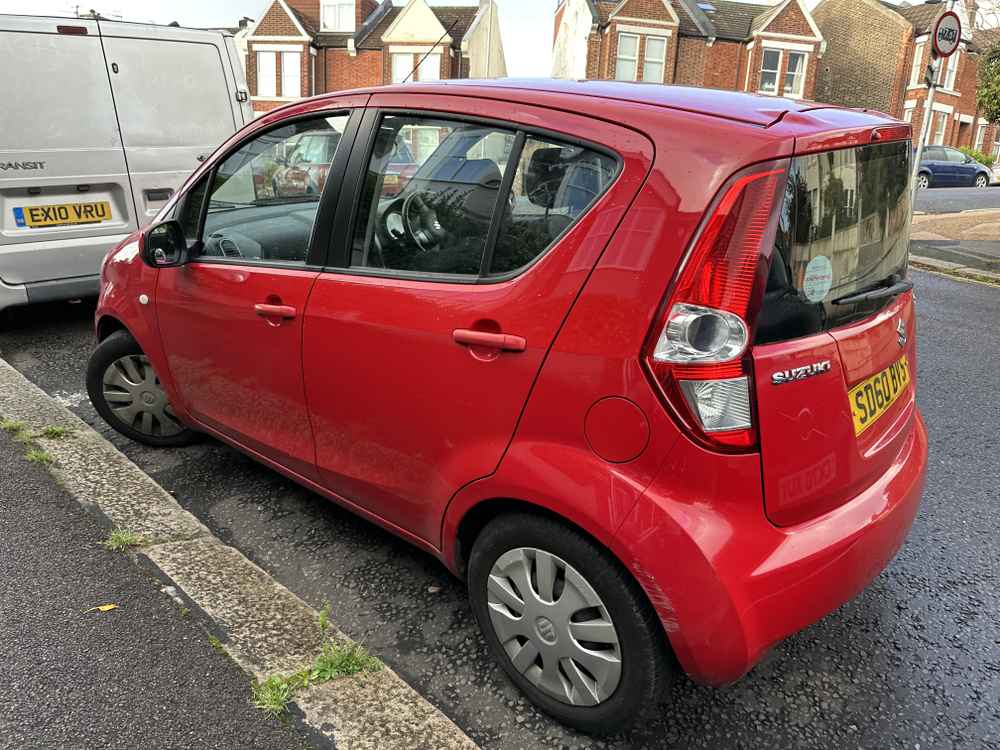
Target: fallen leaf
column 101, row 608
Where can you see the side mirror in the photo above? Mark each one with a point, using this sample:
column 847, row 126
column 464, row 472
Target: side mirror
column 165, row 245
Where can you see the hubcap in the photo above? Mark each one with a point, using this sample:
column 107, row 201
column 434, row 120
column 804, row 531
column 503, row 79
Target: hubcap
column 133, row 393
column 554, row 627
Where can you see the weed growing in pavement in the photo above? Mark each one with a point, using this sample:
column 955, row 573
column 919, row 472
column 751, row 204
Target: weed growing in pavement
column 13, row 426
column 56, row 433
column 273, row 695
column 121, row 539
column 341, row 660
column 323, row 619
column 38, row 456
column 336, row 659
column 217, row 645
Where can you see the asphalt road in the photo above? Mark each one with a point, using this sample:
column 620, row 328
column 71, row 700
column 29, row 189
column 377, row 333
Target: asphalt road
column 143, row 675
column 913, row 662
column 949, row 199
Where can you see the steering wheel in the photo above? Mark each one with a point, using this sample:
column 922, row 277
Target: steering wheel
column 425, row 229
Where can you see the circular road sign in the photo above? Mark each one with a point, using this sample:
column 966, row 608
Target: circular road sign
column 947, row 33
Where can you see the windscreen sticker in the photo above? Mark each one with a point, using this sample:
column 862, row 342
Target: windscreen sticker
column 818, row 279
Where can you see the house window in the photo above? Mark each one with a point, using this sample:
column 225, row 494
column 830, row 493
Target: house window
column 950, row 68
column 267, row 83
column 917, row 72
column 337, row 15
column 769, row 67
column 291, row 73
column 908, row 115
column 980, row 137
column 628, row 55
column 430, row 68
column 940, row 123
column 795, row 75
column 402, row 64
column 653, row 58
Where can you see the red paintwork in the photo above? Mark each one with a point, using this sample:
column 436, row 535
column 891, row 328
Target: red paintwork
column 412, row 403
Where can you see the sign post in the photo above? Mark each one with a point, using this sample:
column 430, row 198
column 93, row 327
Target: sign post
column 945, row 37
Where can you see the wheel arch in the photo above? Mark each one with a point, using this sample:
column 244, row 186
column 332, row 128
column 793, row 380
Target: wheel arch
column 108, row 324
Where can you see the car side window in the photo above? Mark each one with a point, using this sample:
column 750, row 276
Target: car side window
column 429, row 195
column 934, row 154
column 553, row 186
column 955, row 156
column 264, row 196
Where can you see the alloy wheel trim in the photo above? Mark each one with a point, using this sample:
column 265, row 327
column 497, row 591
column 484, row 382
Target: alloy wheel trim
column 132, row 391
column 554, row 627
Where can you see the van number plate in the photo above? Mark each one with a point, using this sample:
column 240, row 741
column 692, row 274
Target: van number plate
column 872, row 397
column 61, row 214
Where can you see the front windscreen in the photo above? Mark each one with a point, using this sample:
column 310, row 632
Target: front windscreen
column 844, row 228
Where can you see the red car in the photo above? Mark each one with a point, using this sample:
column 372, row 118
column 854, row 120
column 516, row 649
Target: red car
column 637, row 362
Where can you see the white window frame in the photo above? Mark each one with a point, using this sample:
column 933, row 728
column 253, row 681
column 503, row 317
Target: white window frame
column 908, row 114
column 950, row 72
column 291, row 61
column 619, row 57
column 272, row 77
column 980, row 139
column 777, row 71
column 343, row 12
column 917, row 72
column 940, row 126
column 398, row 56
column 431, row 63
column 799, row 77
column 662, row 61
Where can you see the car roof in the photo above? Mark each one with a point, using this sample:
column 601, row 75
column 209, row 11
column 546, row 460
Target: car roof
column 732, row 105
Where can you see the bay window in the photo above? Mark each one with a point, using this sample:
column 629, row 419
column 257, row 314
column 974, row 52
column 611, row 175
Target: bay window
column 770, row 66
column 430, row 68
column 402, row 64
column 917, row 71
column 291, row 71
column 267, row 83
column 653, row 59
column 795, row 75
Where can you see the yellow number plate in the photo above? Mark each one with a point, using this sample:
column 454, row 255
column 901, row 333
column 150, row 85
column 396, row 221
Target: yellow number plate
column 872, row 397
column 62, row 213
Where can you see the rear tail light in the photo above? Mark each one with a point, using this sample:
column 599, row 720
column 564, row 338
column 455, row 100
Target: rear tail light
column 697, row 352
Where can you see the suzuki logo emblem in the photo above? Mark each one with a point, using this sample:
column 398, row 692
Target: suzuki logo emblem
column 901, row 333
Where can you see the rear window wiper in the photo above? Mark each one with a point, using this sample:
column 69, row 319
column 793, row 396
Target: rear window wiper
column 891, row 287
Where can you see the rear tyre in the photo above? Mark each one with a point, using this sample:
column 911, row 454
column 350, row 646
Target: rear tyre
column 567, row 623
column 982, row 181
column 923, row 181
column 126, row 391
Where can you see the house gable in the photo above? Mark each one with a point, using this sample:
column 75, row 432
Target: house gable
column 646, row 10
column 416, row 22
column 280, row 21
column 789, row 18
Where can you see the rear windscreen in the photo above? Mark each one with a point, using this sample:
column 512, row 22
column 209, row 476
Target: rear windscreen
column 844, row 228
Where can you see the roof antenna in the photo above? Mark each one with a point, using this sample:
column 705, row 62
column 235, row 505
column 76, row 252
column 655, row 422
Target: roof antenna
column 433, row 46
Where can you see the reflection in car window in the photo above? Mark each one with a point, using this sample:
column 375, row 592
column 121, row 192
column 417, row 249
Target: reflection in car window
column 553, row 186
column 429, row 195
column 265, row 195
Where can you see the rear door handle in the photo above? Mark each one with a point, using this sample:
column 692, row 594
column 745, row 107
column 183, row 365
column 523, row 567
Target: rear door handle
column 502, row 341
column 275, row 311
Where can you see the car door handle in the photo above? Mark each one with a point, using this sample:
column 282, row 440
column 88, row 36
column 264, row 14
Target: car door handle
column 275, row 311
column 502, row 341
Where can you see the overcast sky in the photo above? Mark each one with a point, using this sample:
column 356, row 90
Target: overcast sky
column 526, row 25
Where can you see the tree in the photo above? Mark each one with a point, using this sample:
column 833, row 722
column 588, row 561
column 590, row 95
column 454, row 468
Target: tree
column 988, row 93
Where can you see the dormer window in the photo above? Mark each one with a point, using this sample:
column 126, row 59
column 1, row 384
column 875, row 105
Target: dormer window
column 337, row 15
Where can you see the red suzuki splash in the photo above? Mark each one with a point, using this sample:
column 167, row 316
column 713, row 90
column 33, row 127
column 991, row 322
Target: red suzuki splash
column 637, row 362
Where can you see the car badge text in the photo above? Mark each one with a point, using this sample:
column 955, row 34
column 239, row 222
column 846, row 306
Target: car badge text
column 901, row 333
column 800, row 373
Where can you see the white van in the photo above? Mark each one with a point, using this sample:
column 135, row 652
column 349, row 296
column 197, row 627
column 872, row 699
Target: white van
column 99, row 123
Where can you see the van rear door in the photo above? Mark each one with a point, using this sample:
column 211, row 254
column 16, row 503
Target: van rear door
column 64, row 190
column 834, row 365
column 175, row 104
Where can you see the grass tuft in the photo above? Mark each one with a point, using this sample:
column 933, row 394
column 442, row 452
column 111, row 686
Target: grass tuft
column 55, row 433
column 273, row 695
column 13, row 426
column 121, row 539
column 341, row 660
column 323, row 619
column 38, row 456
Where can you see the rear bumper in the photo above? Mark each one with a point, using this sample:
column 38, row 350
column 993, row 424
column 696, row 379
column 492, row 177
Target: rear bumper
column 728, row 585
column 48, row 291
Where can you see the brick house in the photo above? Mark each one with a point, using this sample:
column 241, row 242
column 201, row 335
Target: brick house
column 723, row 44
column 877, row 57
column 304, row 47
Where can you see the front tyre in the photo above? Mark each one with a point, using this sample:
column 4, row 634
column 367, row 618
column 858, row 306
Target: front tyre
column 567, row 623
column 126, row 391
column 923, row 181
column 982, row 181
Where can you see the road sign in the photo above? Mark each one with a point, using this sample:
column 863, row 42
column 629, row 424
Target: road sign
column 947, row 34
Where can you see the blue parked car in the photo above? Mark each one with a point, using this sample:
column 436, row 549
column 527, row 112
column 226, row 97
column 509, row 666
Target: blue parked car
column 948, row 167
